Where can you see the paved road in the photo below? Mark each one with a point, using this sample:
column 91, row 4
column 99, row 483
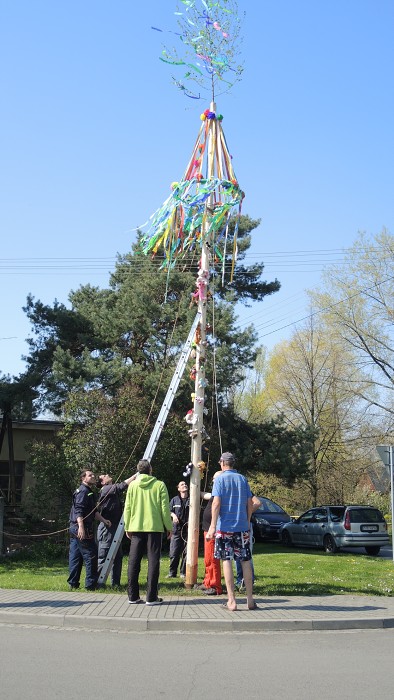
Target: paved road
column 72, row 664
column 385, row 552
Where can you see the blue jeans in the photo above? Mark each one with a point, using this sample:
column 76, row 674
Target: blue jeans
column 105, row 536
column 240, row 575
column 82, row 552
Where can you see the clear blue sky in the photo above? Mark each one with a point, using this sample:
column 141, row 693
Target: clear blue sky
column 93, row 132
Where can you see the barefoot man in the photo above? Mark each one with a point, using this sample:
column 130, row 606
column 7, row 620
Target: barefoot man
column 230, row 526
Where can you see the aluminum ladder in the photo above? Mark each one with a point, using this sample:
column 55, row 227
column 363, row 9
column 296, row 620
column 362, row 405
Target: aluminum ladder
column 154, row 439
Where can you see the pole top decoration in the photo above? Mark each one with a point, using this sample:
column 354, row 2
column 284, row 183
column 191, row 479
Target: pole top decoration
column 210, row 46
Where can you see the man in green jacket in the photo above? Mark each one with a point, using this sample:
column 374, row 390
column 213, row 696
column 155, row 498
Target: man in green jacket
column 146, row 517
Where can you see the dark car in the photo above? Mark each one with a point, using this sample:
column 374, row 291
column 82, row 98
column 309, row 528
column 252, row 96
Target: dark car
column 333, row 527
column 268, row 520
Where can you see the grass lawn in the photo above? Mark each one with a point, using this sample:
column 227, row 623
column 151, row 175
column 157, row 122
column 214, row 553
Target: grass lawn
column 279, row 572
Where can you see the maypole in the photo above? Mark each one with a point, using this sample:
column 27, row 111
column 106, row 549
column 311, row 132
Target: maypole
column 200, row 381
column 196, row 215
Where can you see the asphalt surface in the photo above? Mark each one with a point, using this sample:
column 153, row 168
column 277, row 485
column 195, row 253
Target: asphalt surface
column 70, row 664
column 93, row 610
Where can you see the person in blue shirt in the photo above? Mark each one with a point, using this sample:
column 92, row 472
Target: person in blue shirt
column 230, row 527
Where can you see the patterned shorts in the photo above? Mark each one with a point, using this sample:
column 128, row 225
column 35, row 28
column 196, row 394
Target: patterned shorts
column 232, row 545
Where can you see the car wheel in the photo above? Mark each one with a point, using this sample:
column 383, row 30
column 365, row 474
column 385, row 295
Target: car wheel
column 286, row 539
column 329, row 544
column 372, row 551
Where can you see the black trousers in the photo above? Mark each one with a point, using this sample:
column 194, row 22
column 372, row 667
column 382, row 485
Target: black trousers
column 141, row 543
column 178, row 551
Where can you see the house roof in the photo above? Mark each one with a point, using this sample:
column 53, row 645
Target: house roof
column 380, row 477
column 50, row 425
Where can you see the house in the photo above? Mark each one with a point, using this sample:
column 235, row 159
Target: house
column 24, row 432
column 376, row 478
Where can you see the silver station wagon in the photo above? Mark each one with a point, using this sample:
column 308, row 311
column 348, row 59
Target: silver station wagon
column 333, row 527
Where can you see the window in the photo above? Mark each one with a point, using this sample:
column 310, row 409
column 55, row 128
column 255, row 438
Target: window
column 5, row 480
column 365, row 515
column 337, row 513
column 320, row 515
column 268, row 506
column 307, row 517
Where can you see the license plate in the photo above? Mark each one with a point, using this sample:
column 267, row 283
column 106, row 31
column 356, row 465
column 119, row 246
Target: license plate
column 369, row 528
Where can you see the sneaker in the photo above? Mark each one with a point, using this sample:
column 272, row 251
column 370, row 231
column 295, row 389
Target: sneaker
column 171, row 576
column 210, row 591
column 182, row 576
column 199, row 587
column 158, row 601
column 135, row 602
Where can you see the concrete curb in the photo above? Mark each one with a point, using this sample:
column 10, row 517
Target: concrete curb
column 122, row 624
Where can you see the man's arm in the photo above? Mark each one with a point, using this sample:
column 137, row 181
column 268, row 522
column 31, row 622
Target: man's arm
column 250, row 508
column 127, row 512
column 256, row 503
column 214, row 519
column 100, row 519
column 165, row 509
column 130, row 479
column 81, row 528
column 80, row 507
column 174, row 516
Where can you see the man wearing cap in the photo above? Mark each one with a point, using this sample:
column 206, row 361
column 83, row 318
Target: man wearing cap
column 230, row 526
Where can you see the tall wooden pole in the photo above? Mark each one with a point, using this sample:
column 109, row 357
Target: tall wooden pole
column 200, row 382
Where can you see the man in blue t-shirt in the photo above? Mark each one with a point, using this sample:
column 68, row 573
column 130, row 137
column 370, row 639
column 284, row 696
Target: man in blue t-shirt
column 230, row 526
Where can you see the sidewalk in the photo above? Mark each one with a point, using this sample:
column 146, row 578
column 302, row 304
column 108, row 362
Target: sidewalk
column 189, row 614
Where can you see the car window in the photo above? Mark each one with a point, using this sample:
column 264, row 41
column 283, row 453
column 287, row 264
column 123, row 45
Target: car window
column 365, row 515
column 336, row 513
column 320, row 515
column 268, row 506
column 307, row 517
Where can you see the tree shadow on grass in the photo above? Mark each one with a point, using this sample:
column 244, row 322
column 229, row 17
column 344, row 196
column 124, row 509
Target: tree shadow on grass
column 302, row 589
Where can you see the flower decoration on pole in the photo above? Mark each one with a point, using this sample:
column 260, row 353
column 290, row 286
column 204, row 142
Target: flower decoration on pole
column 201, row 203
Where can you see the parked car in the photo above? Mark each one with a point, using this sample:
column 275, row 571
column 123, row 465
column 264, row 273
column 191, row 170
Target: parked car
column 268, row 520
column 333, row 527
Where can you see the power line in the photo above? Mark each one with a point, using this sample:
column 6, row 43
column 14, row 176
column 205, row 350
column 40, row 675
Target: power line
column 327, row 308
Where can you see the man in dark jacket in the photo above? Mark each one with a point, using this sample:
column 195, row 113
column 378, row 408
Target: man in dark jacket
column 111, row 508
column 83, row 548
column 179, row 507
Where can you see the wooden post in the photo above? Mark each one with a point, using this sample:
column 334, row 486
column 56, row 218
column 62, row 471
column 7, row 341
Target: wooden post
column 196, row 428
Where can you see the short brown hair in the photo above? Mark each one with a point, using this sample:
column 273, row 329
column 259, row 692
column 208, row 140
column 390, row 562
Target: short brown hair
column 143, row 466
